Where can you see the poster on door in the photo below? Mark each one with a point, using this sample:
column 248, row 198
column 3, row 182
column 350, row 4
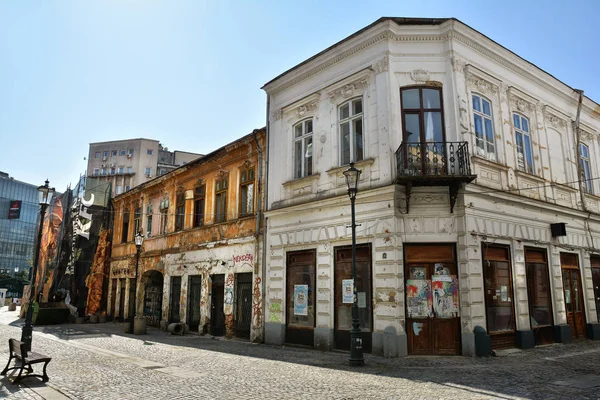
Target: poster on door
column 418, row 298
column 347, row 291
column 300, row 299
column 445, row 295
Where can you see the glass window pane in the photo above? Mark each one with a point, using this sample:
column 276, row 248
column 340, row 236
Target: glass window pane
column 410, row 99
column 525, row 124
column 308, row 156
column 489, row 130
column 358, row 137
column 298, row 130
column 345, row 143
column 298, row 159
column 345, row 111
column 433, row 127
column 498, row 288
column 413, row 128
column 487, row 110
column 301, row 275
column 529, row 154
column 357, row 107
column 431, row 98
column 576, row 295
column 476, row 103
column 516, row 121
column 538, row 292
column 308, row 126
column 478, row 126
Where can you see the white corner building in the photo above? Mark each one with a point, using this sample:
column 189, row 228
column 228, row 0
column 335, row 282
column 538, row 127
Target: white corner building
column 478, row 203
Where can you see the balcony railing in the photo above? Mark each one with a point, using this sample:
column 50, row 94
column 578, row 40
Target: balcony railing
column 433, row 159
column 433, row 164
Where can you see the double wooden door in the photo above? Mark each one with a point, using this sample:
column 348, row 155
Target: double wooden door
column 596, row 283
column 193, row 308
column 432, row 305
column 573, row 292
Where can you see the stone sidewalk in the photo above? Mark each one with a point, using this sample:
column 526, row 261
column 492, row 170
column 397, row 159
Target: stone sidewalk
column 99, row 361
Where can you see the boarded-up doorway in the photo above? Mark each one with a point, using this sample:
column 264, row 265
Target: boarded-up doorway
column 193, row 308
column 174, row 304
column 153, row 296
column 596, row 283
column 343, row 309
column 243, row 304
column 432, row 304
column 217, row 314
column 123, row 292
column 113, row 298
column 573, row 295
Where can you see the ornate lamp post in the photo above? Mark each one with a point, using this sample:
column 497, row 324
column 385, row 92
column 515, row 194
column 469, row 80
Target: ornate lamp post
column 45, row 194
column 356, row 354
column 139, row 240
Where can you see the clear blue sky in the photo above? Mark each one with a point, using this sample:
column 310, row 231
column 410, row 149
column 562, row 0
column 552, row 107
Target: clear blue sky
column 188, row 73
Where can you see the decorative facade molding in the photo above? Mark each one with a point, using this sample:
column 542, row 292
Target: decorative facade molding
column 382, row 65
column 420, row 76
column 481, row 85
column 278, row 114
column 553, row 120
column 520, row 104
column 306, row 109
column 349, row 90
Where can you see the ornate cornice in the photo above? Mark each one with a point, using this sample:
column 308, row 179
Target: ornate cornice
column 306, row 109
column 458, row 64
column 351, row 89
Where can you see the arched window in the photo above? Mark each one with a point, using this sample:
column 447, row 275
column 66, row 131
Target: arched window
column 303, row 148
column 484, row 127
column 351, row 131
column 523, row 140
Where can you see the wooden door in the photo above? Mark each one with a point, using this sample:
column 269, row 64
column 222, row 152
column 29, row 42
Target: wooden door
column 175, row 299
column 300, row 297
column 217, row 313
column 499, row 305
column 573, row 295
column 432, row 305
column 243, row 304
column 596, row 283
column 343, row 309
column 113, row 298
column 153, row 296
column 193, row 307
column 123, row 284
column 538, row 295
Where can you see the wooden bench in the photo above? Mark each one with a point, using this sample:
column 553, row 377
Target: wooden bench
column 18, row 351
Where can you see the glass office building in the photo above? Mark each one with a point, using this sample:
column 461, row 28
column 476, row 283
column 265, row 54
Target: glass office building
column 19, row 211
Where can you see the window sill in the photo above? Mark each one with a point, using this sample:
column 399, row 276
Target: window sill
column 523, row 174
column 357, row 164
column 300, row 181
column 490, row 163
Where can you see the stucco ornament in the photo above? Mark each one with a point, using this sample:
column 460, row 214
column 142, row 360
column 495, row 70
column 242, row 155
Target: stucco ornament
column 458, row 64
column 278, row 114
column 481, row 85
column 420, row 76
column 306, row 109
column 382, row 65
column 349, row 90
column 521, row 104
column 554, row 121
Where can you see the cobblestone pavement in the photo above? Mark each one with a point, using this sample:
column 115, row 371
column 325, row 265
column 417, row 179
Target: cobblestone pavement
column 99, row 361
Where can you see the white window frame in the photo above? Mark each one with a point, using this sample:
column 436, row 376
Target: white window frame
column 482, row 144
column 586, row 167
column 522, row 162
column 96, row 171
column 352, row 134
column 306, row 152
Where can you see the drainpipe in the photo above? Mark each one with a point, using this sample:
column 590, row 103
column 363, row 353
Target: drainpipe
column 580, row 175
column 265, row 205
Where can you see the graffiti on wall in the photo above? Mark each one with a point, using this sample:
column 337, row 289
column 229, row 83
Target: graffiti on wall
column 257, row 304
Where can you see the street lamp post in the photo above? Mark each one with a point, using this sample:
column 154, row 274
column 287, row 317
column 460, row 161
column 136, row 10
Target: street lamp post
column 356, row 353
column 139, row 239
column 45, row 194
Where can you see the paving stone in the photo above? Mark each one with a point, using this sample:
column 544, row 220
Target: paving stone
column 101, row 362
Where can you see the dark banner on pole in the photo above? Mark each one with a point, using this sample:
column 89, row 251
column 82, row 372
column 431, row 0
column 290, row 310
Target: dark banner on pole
column 14, row 212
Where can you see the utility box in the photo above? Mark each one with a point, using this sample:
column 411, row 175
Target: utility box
column 483, row 342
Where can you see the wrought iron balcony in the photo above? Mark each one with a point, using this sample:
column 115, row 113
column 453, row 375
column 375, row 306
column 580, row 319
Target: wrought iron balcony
column 433, row 164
